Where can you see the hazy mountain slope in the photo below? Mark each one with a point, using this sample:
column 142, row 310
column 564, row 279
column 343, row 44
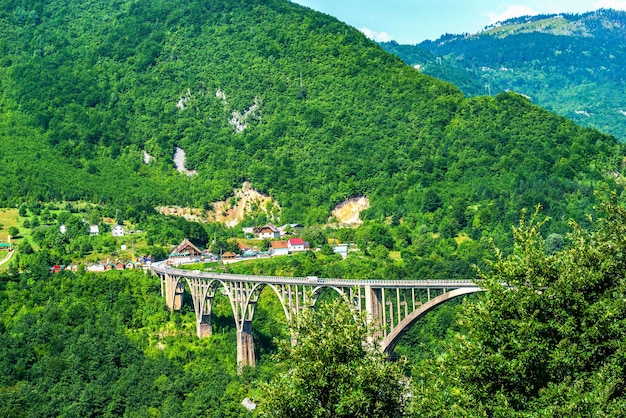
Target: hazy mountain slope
column 571, row 64
column 302, row 106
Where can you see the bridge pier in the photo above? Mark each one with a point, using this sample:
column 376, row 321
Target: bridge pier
column 203, row 326
column 174, row 291
column 245, row 345
column 374, row 310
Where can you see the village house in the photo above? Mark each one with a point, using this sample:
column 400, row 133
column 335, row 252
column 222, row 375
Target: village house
column 279, row 248
column 341, row 249
column 186, row 249
column 185, row 252
column 56, row 269
column 99, row 267
column 94, row 230
column 296, row 245
column 267, row 231
column 117, row 231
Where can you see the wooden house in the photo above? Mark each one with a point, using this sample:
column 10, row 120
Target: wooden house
column 186, row 249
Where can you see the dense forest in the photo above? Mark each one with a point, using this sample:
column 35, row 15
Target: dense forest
column 569, row 64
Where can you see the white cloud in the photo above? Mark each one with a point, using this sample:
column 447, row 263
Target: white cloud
column 511, row 12
column 610, row 4
column 376, row 36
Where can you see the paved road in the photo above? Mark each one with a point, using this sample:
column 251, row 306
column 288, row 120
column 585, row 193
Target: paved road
column 7, row 258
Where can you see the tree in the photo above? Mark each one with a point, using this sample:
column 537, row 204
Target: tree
column 14, row 232
column 331, row 372
column 547, row 337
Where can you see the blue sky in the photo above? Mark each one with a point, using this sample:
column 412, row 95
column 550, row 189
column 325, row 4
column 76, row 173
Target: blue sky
column 412, row 21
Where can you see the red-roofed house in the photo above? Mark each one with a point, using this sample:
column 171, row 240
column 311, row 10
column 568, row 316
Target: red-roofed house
column 296, row 244
column 279, row 248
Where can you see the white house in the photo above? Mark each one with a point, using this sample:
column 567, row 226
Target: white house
column 94, row 230
column 117, row 231
column 296, row 244
column 63, row 229
column 96, row 267
column 279, row 248
column 341, row 249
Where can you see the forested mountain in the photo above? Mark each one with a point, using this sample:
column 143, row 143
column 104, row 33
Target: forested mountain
column 302, row 106
column 570, row 64
column 97, row 95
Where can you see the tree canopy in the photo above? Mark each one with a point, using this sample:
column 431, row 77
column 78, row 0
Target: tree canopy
column 547, row 338
column 331, row 372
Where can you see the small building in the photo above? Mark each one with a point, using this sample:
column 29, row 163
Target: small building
column 120, row 266
column 341, row 249
column 296, row 245
column 186, row 249
column 96, row 267
column 227, row 256
column 5, row 247
column 117, row 231
column 279, row 248
column 267, row 231
column 94, row 230
column 63, row 229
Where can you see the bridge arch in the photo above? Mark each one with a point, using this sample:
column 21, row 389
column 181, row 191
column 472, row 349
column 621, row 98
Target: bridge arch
column 319, row 289
column 258, row 289
column 389, row 343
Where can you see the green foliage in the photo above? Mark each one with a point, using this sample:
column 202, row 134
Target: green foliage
column 103, row 345
column 331, row 373
column 546, row 339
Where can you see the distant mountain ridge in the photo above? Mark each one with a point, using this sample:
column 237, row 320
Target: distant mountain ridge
column 568, row 63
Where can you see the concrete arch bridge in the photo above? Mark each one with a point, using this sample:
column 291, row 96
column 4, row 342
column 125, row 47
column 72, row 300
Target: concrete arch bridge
column 392, row 306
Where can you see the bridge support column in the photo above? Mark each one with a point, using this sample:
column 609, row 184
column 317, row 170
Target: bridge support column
column 203, row 326
column 374, row 309
column 245, row 345
column 174, row 290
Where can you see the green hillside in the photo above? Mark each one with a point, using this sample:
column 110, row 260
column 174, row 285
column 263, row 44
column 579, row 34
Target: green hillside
column 302, row 106
column 569, row 64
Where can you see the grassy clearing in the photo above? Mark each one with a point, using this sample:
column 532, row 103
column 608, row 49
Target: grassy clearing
column 8, row 218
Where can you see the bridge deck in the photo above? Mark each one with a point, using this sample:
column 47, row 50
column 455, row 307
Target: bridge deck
column 432, row 284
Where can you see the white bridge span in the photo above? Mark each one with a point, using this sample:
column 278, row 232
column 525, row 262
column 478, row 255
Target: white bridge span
column 391, row 306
